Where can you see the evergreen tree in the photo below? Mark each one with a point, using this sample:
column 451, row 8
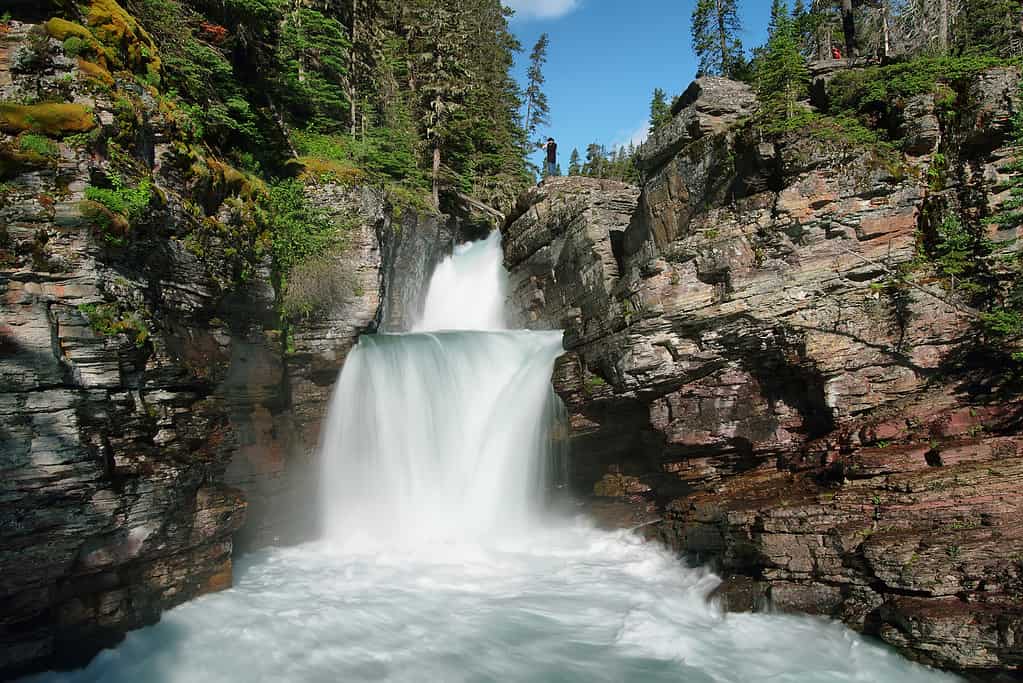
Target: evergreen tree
column 660, row 111
column 715, row 32
column 574, row 163
column 988, row 25
column 537, row 107
column 781, row 72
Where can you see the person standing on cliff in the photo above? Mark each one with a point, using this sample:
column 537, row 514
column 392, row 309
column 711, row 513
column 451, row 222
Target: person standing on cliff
column 551, row 165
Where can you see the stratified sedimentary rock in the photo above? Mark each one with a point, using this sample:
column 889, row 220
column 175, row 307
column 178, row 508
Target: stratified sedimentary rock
column 743, row 353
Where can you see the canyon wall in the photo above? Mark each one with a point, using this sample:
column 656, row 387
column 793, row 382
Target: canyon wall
column 758, row 360
column 156, row 411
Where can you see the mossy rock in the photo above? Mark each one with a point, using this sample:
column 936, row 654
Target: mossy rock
column 315, row 168
column 53, row 119
column 95, row 72
column 14, row 161
column 215, row 181
column 62, row 29
column 112, row 225
column 129, row 45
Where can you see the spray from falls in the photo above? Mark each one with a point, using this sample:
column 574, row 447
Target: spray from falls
column 443, row 433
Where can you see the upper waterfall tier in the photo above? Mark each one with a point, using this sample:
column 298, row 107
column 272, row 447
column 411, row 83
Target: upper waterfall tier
column 468, row 290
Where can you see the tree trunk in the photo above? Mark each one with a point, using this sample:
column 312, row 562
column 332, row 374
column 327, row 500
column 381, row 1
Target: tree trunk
column 886, row 41
column 822, row 9
column 352, row 67
column 849, row 28
column 723, row 38
column 436, row 174
column 943, row 20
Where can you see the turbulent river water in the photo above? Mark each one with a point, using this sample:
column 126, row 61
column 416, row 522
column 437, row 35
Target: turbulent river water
column 439, row 560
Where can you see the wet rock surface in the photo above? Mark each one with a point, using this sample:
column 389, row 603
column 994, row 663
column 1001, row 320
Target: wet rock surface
column 154, row 419
column 739, row 359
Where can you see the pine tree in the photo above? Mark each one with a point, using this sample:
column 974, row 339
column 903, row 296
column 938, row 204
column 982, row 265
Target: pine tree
column 660, row 111
column 537, row 108
column 715, row 32
column 782, row 75
column 596, row 161
column 988, row 25
column 440, row 72
column 574, row 164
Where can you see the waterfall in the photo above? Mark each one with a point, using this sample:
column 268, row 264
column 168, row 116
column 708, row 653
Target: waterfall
column 434, row 456
column 443, row 433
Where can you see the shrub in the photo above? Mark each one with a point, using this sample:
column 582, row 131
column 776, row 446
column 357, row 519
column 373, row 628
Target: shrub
column 129, row 202
column 108, row 320
column 314, row 286
column 299, row 230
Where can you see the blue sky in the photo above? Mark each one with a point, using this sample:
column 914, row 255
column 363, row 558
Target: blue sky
column 606, row 58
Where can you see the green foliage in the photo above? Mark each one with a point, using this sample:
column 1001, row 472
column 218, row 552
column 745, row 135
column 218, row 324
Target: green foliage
column 987, row 26
column 108, row 320
column 878, row 88
column 130, row 202
column 41, row 145
column 781, row 75
column 618, row 164
column 660, row 110
column 538, row 111
column 958, row 251
column 314, row 54
column 1004, row 323
column 575, row 164
column 716, row 31
column 74, row 46
column 298, row 230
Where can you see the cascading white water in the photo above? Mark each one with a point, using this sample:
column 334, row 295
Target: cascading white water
column 442, row 434
column 435, row 566
column 439, row 436
column 467, row 291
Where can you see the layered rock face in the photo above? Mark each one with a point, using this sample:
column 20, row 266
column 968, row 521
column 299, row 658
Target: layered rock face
column 152, row 417
column 744, row 357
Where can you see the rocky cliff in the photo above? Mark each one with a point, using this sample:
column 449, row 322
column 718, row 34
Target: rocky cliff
column 759, row 359
column 156, row 412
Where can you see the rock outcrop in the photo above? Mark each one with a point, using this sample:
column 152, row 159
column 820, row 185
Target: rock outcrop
column 155, row 413
column 744, row 353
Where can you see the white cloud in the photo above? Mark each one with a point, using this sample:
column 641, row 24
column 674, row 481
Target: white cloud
column 636, row 136
column 541, row 9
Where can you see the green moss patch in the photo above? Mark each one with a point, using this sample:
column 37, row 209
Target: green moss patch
column 53, row 119
column 15, row 160
column 127, row 44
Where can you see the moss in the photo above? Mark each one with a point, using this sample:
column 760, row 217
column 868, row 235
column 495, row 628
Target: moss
column 128, row 45
column 53, row 119
column 14, row 160
column 113, row 227
column 316, row 168
column 95, row 72
column 62, row 29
